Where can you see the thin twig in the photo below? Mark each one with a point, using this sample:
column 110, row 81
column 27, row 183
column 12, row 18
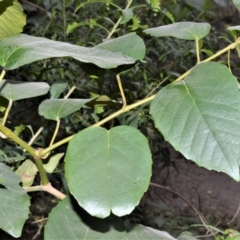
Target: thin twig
column 124, row 101
column 35, row 5
column 237, row 212
column 201, row 217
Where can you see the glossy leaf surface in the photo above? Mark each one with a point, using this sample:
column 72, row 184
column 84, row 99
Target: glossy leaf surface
column 108, row 170
column 200, row 117
column 14, row 202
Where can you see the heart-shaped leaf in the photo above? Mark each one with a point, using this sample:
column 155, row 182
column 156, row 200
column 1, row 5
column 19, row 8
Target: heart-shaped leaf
column 16, row 90
column 12, row 18
column 22, row 49
column 182, row 30
column 65, row 223
column 14, row 202
column 108, row 170
column 54, row 109
column 200, row 116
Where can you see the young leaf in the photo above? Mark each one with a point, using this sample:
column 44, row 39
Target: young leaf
column 108, row 170
column 53, row 162
column 16, row 90
column 64, row 222
column 200, row 116
column 57, row 88
column 12, row 18
column 27, row 171
column 127, row 15
column 54, row 109
column 22, row 49
column 14, row 202
column 182, row 30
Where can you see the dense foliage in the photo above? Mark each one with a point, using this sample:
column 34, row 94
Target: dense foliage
column 100, row 83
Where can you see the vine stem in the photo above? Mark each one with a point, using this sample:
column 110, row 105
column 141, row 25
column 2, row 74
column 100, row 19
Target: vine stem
column 2, row 75
column 121, row 91
column 55, row 132
column 7, row 112
column 118, row 21
column 112, row 116
column 197, row 50
column 47, row 188
column 8, row 133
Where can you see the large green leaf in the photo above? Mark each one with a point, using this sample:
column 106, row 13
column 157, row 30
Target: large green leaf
column 12, row 18
column 16, row 90
column 22, row 49
column 54, row 109
column 14, row 202
column 130, row 45
column 65, row 223
column 182, row 30
column 108, row 170
column 200, row 117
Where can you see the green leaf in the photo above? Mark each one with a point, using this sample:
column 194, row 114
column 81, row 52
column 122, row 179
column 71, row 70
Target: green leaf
column 22, row 49
column 65, row 223
column 234, row 28
column 237, row 4
column 16, row 90
column 182, row 30
column 196, row 4
column 27, row 171
column 57, row 88
column 200, row 116
column 54, row 109
column 130, row 45
column 108, row 170
column 53, row 162
column 12, row 18
column 127, row 15
column 14, row 202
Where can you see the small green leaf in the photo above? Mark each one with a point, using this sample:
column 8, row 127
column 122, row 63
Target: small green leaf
column 19, row 129
column 53, row 162
column 112, row 169
column 64, row 222
column 27, row 171
column 127, row 15
column 54, row 109
column 22, row 49
column 182, row 30
column 14, row 202
column 57, row 88
column 16, row 90
column 237, row 4
column 12, row 18
column 200, row 116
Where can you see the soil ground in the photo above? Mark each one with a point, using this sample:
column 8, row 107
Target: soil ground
column 214, row 194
